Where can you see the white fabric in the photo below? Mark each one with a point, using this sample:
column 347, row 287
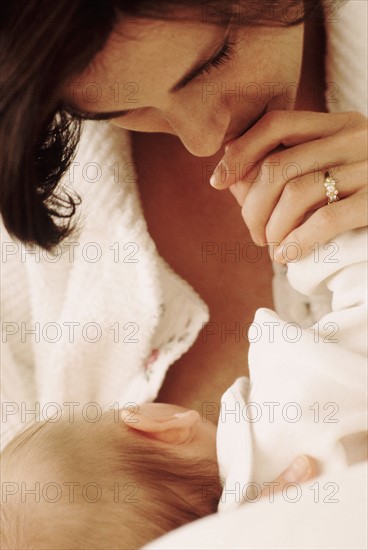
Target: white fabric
column 314, row 522
column 308, row 387
column 109, row 280
column 347, row 55
column 346, row 68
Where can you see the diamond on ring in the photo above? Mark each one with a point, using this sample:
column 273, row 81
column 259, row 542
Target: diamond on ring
column 331, row 191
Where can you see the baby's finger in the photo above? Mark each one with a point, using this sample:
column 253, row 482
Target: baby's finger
column 303, row 468
column 323, row 226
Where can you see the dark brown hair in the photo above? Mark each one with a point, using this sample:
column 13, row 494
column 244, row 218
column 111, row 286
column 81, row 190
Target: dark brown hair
column 42, row 44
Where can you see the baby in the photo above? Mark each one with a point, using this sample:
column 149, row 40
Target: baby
column 113, row 484
column 139, row 473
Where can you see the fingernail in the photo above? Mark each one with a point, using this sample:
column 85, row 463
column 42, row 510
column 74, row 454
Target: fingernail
column 219, row 175
column 298, row 470
column 279, row 256
column 189, row 416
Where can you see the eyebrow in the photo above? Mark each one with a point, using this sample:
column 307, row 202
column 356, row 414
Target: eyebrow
column 194, row 71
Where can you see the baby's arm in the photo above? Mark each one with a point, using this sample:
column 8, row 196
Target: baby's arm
column 341, row 266
column 313, row 379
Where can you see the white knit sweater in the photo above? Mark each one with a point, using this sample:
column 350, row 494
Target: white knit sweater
column 108, row 314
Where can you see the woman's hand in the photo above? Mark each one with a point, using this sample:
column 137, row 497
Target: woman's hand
column 276, row 171
column 304, row 467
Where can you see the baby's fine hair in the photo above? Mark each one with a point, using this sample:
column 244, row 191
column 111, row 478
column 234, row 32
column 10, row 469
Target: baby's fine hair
column 72, row 485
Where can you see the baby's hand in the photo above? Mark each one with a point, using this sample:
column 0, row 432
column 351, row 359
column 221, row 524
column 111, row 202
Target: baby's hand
column 303, row 468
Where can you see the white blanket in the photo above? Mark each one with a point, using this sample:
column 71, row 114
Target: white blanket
column 307, row 387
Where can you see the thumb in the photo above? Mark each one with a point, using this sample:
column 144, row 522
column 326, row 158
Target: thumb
column 304, row 467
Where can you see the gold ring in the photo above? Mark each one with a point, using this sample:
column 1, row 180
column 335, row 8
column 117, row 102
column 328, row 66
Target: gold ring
column 331, row 191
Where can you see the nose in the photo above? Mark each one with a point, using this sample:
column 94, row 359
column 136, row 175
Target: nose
column 201, row 133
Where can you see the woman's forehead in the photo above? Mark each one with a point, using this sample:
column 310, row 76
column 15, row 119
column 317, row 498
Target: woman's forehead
column 152, row 55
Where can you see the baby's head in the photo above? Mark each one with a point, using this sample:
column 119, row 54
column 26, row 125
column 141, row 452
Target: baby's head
column 114, row 484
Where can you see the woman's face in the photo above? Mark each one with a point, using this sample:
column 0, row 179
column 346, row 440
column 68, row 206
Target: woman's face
column 142, row 66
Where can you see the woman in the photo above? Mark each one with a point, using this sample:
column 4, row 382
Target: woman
column 256, row 79
column 257, row 90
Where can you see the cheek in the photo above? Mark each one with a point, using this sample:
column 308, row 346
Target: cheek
column 272, row 79
column 144, row 122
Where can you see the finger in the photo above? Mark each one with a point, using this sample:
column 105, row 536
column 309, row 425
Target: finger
column 308, row 193
column 279, row 128
column 279, row 168
column 303, row 468
column 324, row 224
column 239, row 190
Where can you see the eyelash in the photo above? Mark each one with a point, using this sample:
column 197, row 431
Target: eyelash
column 222, row 57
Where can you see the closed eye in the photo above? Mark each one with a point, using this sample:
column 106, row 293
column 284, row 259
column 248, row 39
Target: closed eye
column 226, row 54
